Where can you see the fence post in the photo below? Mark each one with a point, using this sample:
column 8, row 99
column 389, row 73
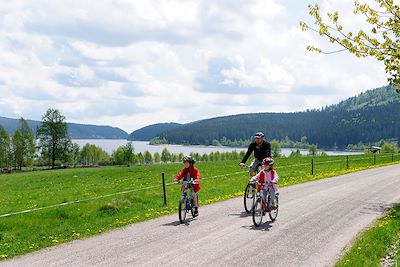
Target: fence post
column 392, row 157
column 347, row 161
column 312, row 166
column 374, row 159
column 163, row 185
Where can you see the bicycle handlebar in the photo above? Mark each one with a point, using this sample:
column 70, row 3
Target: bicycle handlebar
column 184, row 181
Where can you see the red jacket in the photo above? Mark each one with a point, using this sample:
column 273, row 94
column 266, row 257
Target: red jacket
column 193, row 173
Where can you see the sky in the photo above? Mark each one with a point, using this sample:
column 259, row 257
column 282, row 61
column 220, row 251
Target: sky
column 132, row 63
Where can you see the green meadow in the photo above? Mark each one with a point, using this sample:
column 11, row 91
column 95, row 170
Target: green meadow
column 63, row 205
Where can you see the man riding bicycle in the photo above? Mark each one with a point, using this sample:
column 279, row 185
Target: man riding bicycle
column 261, row 149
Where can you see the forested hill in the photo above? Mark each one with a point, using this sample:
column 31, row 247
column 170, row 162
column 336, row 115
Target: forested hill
column 149, row 132
column 367, row 118
column 76, row 131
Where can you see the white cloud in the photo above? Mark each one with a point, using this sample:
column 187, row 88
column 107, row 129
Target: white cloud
column 133, row 63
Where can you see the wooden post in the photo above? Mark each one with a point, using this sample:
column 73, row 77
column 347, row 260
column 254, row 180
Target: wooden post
column 163, row 185
column 347, row 161
column 312, row 166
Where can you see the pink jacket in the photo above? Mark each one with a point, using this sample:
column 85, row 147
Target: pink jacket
column 266, row 176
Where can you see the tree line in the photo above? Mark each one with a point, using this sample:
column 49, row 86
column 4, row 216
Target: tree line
column 366, row 118
column 52, row 146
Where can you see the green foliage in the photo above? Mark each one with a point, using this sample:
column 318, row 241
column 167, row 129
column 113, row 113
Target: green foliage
column 165, row 155
column 381, row 43
column 23, row 142
column 54, row 141
column 148, row 157
column 91, row 155
column 313, row 150
column 276, row 148
column 5, row 148
column 158, row 141
column 389, row 148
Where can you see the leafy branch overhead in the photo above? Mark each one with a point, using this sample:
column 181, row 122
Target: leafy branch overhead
column 382, row 41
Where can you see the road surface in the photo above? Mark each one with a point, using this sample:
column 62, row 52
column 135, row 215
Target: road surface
column 316, row 221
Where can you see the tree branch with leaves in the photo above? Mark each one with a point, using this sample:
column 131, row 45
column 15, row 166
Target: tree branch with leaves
column 382, row 42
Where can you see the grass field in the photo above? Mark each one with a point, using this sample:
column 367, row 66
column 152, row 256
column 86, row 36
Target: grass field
column 74, row 203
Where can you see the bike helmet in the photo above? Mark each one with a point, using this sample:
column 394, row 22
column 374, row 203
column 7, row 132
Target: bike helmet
column 269, row 161
column 259, row 135
column 188, row 159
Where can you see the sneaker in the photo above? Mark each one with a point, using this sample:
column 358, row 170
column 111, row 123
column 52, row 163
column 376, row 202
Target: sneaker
column 196, row 212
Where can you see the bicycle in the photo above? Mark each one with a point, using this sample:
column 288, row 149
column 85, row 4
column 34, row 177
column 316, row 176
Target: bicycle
column 186, row 202
column 262, row 206
column 250, row 191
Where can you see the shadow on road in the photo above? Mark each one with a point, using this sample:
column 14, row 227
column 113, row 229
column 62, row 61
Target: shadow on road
column 376, row 207
column 243, row 214
column 178, row 223
column 263, row 227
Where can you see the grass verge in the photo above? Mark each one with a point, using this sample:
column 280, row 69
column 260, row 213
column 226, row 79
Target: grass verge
column 378, row 244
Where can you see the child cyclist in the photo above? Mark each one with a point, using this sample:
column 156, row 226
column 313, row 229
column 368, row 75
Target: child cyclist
column 268, row 176
column 189, row 172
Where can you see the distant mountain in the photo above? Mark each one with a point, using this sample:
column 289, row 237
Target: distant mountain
column 368, row 117
column 76, row 131
column 383, row 96
column 149, row 132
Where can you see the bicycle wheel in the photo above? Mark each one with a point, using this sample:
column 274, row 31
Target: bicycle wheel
column 182, row 210
column 258, row 212
column 274, row 213
column 248, row 197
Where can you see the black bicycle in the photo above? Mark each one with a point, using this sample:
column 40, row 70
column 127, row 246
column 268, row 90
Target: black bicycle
column 262, row 206
column 250, row 192
column 186, row 202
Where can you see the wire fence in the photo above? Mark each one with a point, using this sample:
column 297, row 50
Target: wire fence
column 312, row 164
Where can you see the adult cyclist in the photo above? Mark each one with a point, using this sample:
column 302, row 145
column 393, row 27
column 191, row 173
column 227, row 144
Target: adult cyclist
column 261, row 149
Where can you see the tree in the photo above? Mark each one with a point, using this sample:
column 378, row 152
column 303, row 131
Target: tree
column 381, row 43
column 92, row 155
column 148, row 157
column 74, row 154
column 128, row 153
column 389, row 148
column 313, row 150
column 165, row 155
column 5, row 148
column 157, row 157
column 23, row 145
column 54, row 141
column 276, row 148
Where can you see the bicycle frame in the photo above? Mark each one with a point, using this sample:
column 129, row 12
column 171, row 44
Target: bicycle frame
column 249, row 196
column 186, row 201
column 262, row 205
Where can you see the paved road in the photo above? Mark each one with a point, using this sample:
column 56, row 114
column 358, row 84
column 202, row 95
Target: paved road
column 316, row 221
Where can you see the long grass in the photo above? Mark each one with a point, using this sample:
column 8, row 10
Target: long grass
column 380, row 241
column 74, row 203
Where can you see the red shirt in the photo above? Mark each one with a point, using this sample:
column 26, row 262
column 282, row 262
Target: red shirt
column 193, row 173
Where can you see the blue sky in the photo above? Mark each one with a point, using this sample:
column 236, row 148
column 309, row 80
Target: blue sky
column 129, row 63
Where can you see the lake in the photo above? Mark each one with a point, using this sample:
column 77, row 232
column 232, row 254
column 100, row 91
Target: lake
column 110, row 145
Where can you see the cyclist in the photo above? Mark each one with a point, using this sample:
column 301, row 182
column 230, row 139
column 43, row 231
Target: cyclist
column 191, row 172
column 261, row 149
column 267, row 176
